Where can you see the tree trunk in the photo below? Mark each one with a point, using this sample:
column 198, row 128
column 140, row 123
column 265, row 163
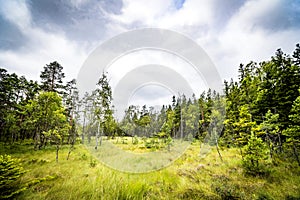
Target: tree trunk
column 83, row 129
column 71, row 148
column 280, row 143
column 296, row 153
column 217, row 146
column 57, row 149
column 241, row 152
column 97, row 135
column 269, row 145
column 101, row 136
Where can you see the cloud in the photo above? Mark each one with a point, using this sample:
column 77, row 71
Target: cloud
column 16, row 12
column 40, row 47
column 164, row 14
column 34, row 33
column 254, row 33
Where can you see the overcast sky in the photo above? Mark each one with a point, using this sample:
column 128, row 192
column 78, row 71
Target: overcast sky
column 36, row 32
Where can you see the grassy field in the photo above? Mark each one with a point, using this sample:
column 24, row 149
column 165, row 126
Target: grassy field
column 83, row 176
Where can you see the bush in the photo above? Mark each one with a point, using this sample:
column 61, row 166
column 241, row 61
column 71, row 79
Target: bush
column 93, row 163
column 10, row 173
column 135, row 140
column 254, row 154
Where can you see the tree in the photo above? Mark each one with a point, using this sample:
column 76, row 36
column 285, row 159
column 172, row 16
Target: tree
column 280, row 80
column 296, row 55
column 243, row 127
column 47, row 115
column 15, row 92
column 217, row 121
column 52, row 78
column 254, row 153
column 270, row 126
column 71, row 101
column 293, row 131
column 103, row 111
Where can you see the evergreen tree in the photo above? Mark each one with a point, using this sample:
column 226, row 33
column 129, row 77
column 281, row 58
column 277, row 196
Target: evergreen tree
column 293, row 131
column 243, row 127
column 52, row 78
column 254, row 155
column 103, row 111
column 270, row 126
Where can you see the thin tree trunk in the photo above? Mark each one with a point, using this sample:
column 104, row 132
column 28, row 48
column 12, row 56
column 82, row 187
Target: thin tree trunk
column 269, row 145
column 57, row 149
column 97, row 134
column 83, row 129
column 217, row 146
column 101, row 136
column 241, row 152
column 280, row 143
column 71, row 148
column 296, row 153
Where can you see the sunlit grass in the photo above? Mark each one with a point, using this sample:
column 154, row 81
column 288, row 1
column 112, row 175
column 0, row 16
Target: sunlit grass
column 83, row 176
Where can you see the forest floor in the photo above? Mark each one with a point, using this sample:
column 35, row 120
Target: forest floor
column 190, row 176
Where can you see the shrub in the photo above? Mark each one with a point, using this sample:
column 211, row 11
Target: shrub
column 135, row 140
column 93, row 163
column 255, row 152
column 10, row 173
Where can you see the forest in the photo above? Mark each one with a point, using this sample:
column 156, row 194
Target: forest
column 51, row 138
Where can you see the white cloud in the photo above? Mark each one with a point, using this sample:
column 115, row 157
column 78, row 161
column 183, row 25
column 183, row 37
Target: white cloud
column 244, row 40
column 41, row 48
column 77, row 3
column 131, row 61
column 16, row 12
column 164, row 14
column 244, row 35
column 250, row 16
column 143, row 11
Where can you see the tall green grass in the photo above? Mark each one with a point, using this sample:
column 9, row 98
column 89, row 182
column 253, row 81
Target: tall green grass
column 83, row 176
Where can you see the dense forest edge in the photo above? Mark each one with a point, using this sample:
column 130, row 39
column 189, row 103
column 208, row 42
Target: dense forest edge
column 47, row 133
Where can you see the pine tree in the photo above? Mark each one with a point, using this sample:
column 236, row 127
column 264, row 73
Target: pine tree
column 254, row 153
column 296, row 55
column 293, row 131
column 270, row 126
column 104, row 112
column 243, row 127
column 52, row 78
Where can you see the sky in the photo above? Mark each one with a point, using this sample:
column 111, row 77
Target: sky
column 34, row 33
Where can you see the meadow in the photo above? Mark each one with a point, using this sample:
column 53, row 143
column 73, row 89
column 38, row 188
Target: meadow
column 191, row 176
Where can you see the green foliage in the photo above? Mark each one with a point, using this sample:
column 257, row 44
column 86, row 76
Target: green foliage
column 223, row 186
column 10, row 173
column 168, row 126
column 293, row 131
column 52, row 78
column 93, row 162
column 47, row 115
column 270, row 129
column 243, row 126
column 254, row 154
column 135, row 140
column 103, row 108
column 15, row 91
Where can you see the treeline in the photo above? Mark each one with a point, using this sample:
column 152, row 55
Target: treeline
column 260, row 111
column 263, row 109
column 42, row 112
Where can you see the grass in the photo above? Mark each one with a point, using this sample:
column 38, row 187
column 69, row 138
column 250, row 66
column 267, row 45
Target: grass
column 83, row 176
